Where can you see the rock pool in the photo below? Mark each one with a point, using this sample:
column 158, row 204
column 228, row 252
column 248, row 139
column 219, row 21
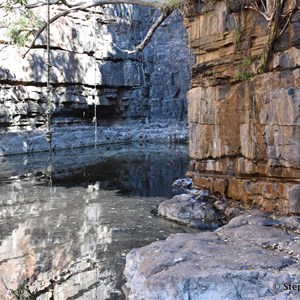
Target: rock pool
column 68, row 222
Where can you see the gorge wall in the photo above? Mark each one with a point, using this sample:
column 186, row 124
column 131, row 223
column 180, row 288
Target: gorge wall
column 139, row 96
column 244, row 128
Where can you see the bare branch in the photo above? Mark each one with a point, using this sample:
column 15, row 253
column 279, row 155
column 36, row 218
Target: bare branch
column 255, row 7
column 41, row 3
column 34, row 39
column 52, row 2
column 263, row 5
column 288, row 14
column 87, row 5
column 67, row 3
column 91, row 3
column 150, row 33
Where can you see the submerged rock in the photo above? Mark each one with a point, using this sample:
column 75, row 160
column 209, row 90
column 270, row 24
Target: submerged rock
column 252, row 257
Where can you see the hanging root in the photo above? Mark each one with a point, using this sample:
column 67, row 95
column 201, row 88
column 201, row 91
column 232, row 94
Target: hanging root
column 273, row 28
column 276, row 20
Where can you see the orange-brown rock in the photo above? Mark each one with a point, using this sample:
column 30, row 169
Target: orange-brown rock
column 244, row 128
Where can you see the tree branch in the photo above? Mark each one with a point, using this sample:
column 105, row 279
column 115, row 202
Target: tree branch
column 289, row 15
column 150, row 33
column 93, row 3
column 263, row 5
column 41, row 3
column 67, row 3
column 255, row 7
column 52, row 2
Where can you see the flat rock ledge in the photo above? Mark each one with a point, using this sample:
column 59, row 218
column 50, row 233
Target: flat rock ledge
column 254, row 256
column 75, row 136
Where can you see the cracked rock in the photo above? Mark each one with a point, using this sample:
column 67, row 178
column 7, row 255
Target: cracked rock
column 231, row 263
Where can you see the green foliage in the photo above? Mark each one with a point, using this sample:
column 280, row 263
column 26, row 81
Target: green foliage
column 24, row 293
column 246, row 62
column 171, row 4
column 238, row 35
column 10, row 4
column 18, row 38
column 2, row 23
column 245, row 73
column 20, row 22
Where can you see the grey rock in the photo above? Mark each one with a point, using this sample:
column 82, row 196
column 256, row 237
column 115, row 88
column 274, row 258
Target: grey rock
column 183, row 182
column 291, row 222
column 149, row 87
column 186, row 209
column 77, row 135
column 220, row 205
column 204, row 193
column 257, row 234
column 231, row 212
column 294, row 199
column 202, row 224
column 205, row 266
column 258, row 229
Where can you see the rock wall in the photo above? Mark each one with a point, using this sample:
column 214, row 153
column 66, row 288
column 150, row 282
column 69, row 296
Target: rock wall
column 138, row 96
column 244, row 128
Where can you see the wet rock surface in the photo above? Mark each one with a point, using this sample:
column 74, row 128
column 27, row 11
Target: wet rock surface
column 254, row 256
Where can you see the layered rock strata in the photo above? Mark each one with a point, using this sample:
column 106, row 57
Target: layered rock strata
column 137, row 96
column 244, row 128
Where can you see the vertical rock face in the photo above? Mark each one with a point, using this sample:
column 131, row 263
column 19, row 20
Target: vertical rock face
column 88, row 62
column 244, row 128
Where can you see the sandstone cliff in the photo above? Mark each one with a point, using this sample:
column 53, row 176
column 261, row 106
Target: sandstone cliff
column 244, row 128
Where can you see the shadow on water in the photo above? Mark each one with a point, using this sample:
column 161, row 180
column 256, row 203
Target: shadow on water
column 131, row 169
column 69, row 239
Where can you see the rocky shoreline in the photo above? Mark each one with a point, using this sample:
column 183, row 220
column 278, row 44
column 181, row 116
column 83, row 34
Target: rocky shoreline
column 254, row 255
column 75, row 136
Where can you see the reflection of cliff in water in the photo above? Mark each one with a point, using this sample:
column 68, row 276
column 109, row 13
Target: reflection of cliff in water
column 55, row 238
column 137, row 169
column 70, row 241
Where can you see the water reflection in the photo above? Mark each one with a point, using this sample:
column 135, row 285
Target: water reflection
column 138, row 169
column 69, row 240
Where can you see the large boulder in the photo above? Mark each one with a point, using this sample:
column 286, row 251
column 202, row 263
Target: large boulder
column 252, row 257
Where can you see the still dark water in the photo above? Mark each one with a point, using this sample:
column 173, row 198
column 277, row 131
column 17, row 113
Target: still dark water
column 67, row 224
